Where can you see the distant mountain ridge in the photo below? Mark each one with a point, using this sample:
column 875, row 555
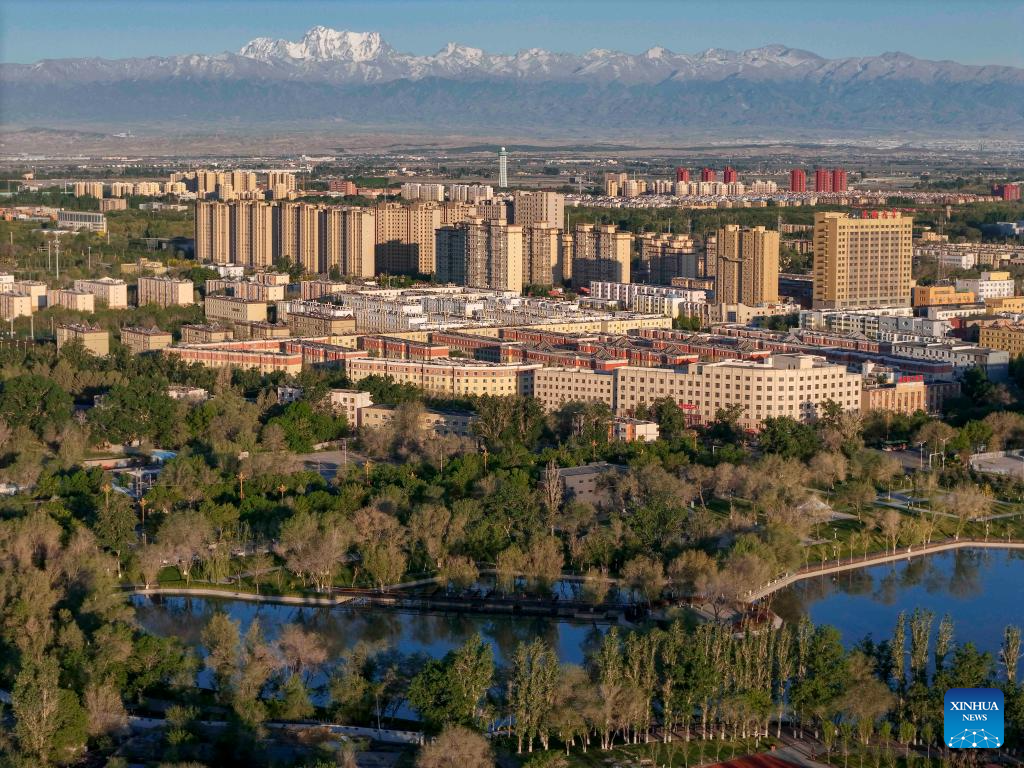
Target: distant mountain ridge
column 357, row 78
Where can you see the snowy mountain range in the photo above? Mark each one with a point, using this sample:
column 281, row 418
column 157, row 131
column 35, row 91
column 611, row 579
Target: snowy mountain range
column 357, row 78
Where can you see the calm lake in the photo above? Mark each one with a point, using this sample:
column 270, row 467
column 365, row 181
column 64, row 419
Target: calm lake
column 981, row 589
column 432, row 634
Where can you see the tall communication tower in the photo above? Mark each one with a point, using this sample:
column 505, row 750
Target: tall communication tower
column 503, row 168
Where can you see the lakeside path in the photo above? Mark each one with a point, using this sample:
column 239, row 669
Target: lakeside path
column 850, row 564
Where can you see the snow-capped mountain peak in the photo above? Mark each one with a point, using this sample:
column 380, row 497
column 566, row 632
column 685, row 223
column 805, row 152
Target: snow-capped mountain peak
column 319, row 44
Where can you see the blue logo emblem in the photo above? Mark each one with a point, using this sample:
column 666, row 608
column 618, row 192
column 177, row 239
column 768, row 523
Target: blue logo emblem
column 973, row 718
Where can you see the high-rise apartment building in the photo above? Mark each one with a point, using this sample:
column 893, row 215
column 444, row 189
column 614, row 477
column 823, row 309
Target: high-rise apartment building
column 542, row 255
column 862, row 262
column 797, row 180
column 729, row 175
column 600, row 252
column 708, row 174
column 405, row 237
column 682, row 174
column 1007, row 191
column 748, row 266
column 529, row 208
column 822, row 180
column 88, row 189
column 256, row 234
column 347, row 241
column 839, row 180
column 481, row 254
column 664, row 256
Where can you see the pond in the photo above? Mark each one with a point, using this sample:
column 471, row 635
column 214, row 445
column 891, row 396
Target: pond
column 432, row 634
column 981, row 589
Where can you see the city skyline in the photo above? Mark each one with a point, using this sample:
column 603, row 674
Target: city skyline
column 72, row 29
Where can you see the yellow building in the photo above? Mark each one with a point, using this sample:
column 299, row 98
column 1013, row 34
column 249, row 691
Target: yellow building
column 14, row 305
column 455, row 377
column 107, row 290
column 431, row 420
column 204, row 334
column 140, row 340
column 908, row 395
column 1005, row 304
column 531, row 208
column 1009, row 338
column 862, row 262
column 230, row 309
column 72, row 299
column 481, row 254
column 935, row 295
column 600, row 252
column 312, row 324
column 542, row 255
column 165, row 292
column 94, row 339
column 404, row 237
column 748, row 266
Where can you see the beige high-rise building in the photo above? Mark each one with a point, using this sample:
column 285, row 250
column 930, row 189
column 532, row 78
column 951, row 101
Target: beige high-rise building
column 542, row 255
column 405, row 237
column 347, row 241
column 600, row 252
column 308, row 226
column 213, row 232
column 88, row 189
column 261, row 236
column 243, row 181
column 748, row 266
column 481, row 254
column 165, row 292
column 529, row 208
column 281, row 181
column 862, row 262
column 454, row 212
column 664, row 256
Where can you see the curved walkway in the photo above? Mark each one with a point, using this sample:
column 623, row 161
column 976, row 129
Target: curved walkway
column 850, row 564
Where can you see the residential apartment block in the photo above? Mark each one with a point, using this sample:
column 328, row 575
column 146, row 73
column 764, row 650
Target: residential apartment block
column 530, row 208
column 663, row 257
column 231, row 309
column 600, row 252
column 165, row 292
column 454, row 377
column 108, row 291
column 748, row 266
column 862, row 262
column 791, row 385
column 140, row 340
column 481, row 254
column 95, row 340
column 72, row 299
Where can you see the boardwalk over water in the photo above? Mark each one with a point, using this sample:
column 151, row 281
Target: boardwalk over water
column 850, row 564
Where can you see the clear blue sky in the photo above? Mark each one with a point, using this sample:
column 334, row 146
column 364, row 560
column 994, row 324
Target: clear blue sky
column 978, row 32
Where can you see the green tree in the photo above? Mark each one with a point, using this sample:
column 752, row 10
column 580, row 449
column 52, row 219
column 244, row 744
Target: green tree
column 35, row 402
column 789, row 438
column 50, row 723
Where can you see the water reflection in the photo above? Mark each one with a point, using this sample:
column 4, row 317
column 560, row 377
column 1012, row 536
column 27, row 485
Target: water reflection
column 982, row 589
column 433, row 634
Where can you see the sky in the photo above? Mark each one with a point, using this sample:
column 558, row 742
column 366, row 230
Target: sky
column 972, row 32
